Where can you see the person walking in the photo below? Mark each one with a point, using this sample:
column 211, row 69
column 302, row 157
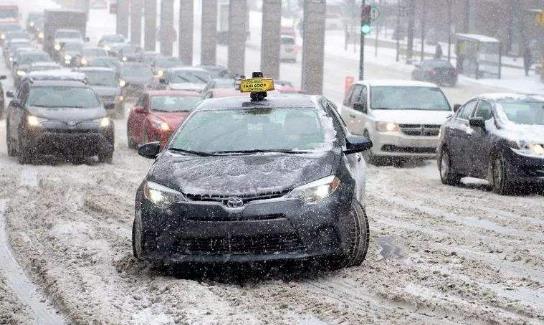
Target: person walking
column 527, row 60
column 438, row 52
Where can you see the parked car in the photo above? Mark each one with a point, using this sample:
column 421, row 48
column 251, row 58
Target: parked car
column 401, row 118
column 498, row 137
column 157, row 114
column 288, row 49
column 440, row 72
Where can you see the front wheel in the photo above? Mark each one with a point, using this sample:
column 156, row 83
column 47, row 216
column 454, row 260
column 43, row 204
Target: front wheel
column 24, row 156
column 106, row 157
column 448, row 176
column 500, row 180
column 358, row 238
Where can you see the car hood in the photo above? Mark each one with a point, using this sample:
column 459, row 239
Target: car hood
column 173, row 119
column 239, row 175
column 68, row 114
column 137, row 80
column 106, row 91
column 411, row 116
column 187, row 86
column 526, row 133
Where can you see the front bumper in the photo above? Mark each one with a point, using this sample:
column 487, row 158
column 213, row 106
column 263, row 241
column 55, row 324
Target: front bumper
column 265, row 230
column 524, row 168
column 397, row 144
column 69, row 141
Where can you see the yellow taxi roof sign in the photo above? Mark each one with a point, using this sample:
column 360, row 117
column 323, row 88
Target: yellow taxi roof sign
column 255, row 85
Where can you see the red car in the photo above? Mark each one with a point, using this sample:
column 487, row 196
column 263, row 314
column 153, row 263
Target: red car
column 157, row 114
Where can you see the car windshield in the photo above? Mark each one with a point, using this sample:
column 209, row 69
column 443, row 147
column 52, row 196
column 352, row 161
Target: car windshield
column 168, row 63
column 189, row 76
column 287, row 41
column 68, row 34
column 27, row 58
column 6, row 28
column 73, row 47
column 297, row 129
column 174, row 103
column 436, row 64
column 527, row 111
column 94, row 52
column 44, row 67
column 113, row 39
column 408, row 98
column 105, row 62
column 137, row 71
column 101, row 78
column 9, row 13
column 17, row 35
column 223, row 83
column 62, row 97
column 130, row 50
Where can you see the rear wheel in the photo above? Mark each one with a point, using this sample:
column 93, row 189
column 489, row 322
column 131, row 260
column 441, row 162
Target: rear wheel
column 448, row 175
column 500, row 180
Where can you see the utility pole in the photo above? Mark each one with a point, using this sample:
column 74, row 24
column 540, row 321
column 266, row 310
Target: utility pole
column 208, row 41
column 399, row 9
column 362, row 42
column 136, row 22
column 313, row 48
column 167, row 32
column 122, row 17
column 449, row 29
column 150, row 29
column 185, row 41
column 423, row 17
column 411, row 28
column 466, row 21
column 237, row 34
column 271, row 38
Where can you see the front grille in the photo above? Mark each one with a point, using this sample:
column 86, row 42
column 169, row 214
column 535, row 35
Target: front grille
column 258, row 244
column 427, row 130
column 244, row 197
column 392, row 148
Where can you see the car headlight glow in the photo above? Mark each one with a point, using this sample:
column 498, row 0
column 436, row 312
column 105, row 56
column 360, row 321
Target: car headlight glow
column 107, row 48
column 387, row 127
column 3, row 36
column 317, row 190
column 160, row 73
column 84, row 61
column 527, row 148
column 161, row 196
column 57, row 47
column 120, row 98
column 122, row 83
column 104, row 122
column 67, row 57
column 40, row 35
column 34, row 121
column 125, row 59
column 21, row 73
column 161, row 125
column 32, row 24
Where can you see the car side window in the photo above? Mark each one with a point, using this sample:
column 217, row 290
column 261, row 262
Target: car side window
column 140, row 102
column 466, row 111
column 484, row 110
column 363, row 99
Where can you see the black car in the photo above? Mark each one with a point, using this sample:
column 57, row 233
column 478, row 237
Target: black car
column 250, row 181
column 58, row 114
column 440, row 72
column 496, row 137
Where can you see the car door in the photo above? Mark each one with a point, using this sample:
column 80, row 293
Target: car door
column 480, row 147
column 460, row 135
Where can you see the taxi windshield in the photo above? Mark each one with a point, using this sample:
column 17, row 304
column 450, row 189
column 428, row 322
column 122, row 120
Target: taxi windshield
column 528, row 112
column 224, row 131
column 408, row 98
column 173, row 103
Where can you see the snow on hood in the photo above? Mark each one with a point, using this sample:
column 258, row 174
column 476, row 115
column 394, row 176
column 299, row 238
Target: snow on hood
column 68, row 114
column 411, row 116
column 523, row 132
column 238, row 175
column 106, row 91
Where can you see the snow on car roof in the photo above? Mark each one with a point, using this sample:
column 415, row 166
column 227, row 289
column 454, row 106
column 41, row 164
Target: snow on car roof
column 62, row 74
column 513, row 96
column 396, row 83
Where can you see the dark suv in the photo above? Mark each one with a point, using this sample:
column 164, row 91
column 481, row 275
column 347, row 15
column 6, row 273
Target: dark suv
column 58, row 114
column 499, row 137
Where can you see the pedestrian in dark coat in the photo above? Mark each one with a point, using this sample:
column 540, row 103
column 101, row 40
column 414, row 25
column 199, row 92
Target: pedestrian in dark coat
column 527, row 60
column 438, row 51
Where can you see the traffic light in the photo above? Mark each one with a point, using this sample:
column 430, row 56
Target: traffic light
column 366, row 19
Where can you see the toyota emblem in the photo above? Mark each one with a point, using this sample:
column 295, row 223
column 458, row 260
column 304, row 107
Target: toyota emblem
column 235, row 202
column 72, row 123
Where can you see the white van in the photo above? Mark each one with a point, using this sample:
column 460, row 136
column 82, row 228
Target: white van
column 402, row 118
column 288, row 49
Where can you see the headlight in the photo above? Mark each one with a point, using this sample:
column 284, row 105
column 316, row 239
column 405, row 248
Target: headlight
column 32, row 24
column 120, row 98
column 3, row 36
column 161, row 125
column 316, row 191
column 10, row 59
column 125, row 59
column 387, row 127
column 84, row 61
column 21, row 73
column 104, row 122
column 526, row 148
column 34, row 121
column 122, row 83
column 161, row 196
column 57, row 47
column 67, row 57
column 160, row 73
column 107, row 48
column 40, row 35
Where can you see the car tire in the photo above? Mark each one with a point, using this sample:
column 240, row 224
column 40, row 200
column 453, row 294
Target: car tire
column 105, row 157
column 358, row 239
column 24, row 156
column 131, row 143
column 9, row 142
column 137, row 243
column 368, row 155
column 499, row 180
column 448, row 176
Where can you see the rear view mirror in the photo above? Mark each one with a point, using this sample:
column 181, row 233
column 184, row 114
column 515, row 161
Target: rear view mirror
column 150, row 150
column 456, row 107
column 361, row 107
column 477, row 122
column 162, row 81
column 356, row 143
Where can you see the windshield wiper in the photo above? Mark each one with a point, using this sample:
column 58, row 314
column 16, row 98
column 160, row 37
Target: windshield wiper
column 242, row 152
column 196, row 153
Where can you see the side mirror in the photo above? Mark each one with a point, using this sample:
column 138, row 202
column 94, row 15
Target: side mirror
column 456, row 107
column 477, row 122
column 150, row 150
column 10, row 94
column 3, row 77
column 162, row 81
column 357, row 143
column 139, row 110
column 361, row 107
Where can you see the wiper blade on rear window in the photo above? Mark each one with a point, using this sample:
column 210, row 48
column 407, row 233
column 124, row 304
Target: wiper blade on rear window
column 196, row 153
column 242, row 152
